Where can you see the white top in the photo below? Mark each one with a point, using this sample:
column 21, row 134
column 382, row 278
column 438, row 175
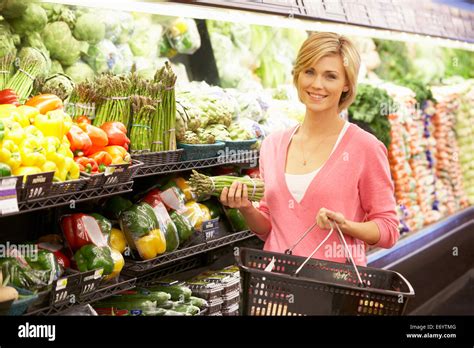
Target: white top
column 298, row 183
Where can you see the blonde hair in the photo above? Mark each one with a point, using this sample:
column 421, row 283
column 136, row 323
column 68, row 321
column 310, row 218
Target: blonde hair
column 319, row 45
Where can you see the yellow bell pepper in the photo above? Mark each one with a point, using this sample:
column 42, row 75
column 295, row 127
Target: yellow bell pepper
column 25, row 171
column 21, row 118
column 32, row 131
column 151, row 245
column 32, row 152
column 14, row 131
column 6, row 110
column 10, row 154
column 49, row 166
column 29, row 112
column 119, row 262
column 65, row 151
column 55, row 123
column 69, row 171
column 117, row 240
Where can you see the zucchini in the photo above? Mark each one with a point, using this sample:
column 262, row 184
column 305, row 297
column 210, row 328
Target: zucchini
column 172, row 237
column 177, row 292
column 166, row 305
column 184, row 227
column 236, row 219
column 175, row 313
column 158, row 296
column 198, row 302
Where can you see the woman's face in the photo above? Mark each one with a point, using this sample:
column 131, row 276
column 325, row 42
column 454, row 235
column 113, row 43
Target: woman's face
column 320, row 86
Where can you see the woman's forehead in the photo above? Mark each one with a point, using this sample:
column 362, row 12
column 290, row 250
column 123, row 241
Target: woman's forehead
column 331, row 62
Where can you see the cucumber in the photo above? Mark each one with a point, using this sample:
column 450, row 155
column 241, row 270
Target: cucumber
column 198, row 302
column 185, row 308
column 158, row 296
column 184, row 227
column 156, row 312
column 236, row 220
column 177, row 292
column 174, row 313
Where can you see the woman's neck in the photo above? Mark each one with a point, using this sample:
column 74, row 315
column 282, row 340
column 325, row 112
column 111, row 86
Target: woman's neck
column 321, row 124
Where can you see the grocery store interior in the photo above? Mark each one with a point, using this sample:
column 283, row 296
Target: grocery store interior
column 121, row 122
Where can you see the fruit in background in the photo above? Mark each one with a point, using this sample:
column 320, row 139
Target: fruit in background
column 115, row 205
column 184, row 227
column 117, row 240
column 116, row 133
column 54, row 123
column 80, row 230
column 119, row 154
column 8, row 96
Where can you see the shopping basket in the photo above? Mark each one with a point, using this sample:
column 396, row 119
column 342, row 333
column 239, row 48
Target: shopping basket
column 288, row 285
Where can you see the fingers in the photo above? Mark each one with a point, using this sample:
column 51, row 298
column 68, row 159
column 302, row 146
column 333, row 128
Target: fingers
column 231, row 194
column 223, row 196
column 235, row 196
column 323, row 219
column 238, row 195
column 245, row 194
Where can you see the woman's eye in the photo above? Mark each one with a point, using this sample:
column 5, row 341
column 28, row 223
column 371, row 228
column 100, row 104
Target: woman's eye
column 309, row 72
column 332, row 77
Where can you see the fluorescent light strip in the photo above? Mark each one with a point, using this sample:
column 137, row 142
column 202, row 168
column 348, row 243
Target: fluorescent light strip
column 249, row 17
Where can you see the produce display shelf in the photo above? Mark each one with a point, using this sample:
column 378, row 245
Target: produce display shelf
column 79, row 196
column 94, row 296
column 196, row 164
column 138, row 268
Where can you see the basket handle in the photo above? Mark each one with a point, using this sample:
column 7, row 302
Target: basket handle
column 341, row 236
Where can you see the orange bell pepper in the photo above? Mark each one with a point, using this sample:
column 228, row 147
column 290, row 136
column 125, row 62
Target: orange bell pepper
column 119, row 154
column 82, row 119
column 45, row 102
column 98, row 137
column 103, row 159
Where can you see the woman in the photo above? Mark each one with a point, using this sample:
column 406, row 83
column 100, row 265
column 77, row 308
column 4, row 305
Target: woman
column 326, row 169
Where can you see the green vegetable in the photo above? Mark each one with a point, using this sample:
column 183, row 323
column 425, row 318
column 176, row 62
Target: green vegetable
column 115, row 205
column 198, row 302
column 34, row 19
column 177, row 292
column 236, row 219
column 172, row 237
column 22, row 276
column 61, row 44
column 167, row 304
column 91, row 257
column 44, row 260
column 80, row 72
column 60, row 13
column 58, row 84
column 6, row 68
column 184, row 227
column 34, row 40
column 174, row 313
column 89, row 27
column 14, row 8
column 395, row 62
column 104, row 223
column 5, row 170
column 143, row 36
column 203, row 185
column 185, row 308
column 215, row 208
column 56, row 68
column 138, row 220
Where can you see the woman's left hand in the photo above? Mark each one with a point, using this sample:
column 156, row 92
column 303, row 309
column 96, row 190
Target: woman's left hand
column 324, row 215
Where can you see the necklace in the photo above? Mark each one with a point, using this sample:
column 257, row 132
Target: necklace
column 302, row 148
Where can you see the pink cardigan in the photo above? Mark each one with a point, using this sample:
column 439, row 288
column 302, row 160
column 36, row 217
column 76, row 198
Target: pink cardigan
column 355, row 181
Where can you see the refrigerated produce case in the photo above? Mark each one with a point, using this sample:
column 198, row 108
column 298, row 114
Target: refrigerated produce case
column 436, row 222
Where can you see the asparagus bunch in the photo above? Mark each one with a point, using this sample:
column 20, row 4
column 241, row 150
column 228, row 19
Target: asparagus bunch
column 203, row 185
column 143, row 110
column 114, row 102
column 6, row 69
column 82, row 100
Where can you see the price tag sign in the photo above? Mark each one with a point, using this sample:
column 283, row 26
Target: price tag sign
column 90, row 281
column 8, row 196
column 64, row 290
column 210, row 229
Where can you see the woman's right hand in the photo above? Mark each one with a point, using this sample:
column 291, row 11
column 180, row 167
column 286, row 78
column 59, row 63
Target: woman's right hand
column 236, row 196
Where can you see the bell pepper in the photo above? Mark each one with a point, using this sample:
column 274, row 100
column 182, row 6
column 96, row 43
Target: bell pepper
column 5, row 170
column 33, row 131
column 25, row 171
column 117, row 240
column 79, row 140
column 55, row 123
column 2, row 130
column 118, row 262
column 98, row 138
column 8, row 96
column 45, row 102
column 6, row 110
column 81, row 229
column 102, row 158
column 153, row 198
column 28, row 112
column 104, row 223
column 183, row 185
column 116, row 133
column 70, row 170
column 32, row 152
column 64, row 149
column 87, row 165
column 82, row 119
column 43, row 260
column 10, row 154
column 52, row 146
column 119, row 154
column 21, row 118
column 49, row 166
column 91, row 257
column 14, row 131
column 115, row 205
column 63, row 260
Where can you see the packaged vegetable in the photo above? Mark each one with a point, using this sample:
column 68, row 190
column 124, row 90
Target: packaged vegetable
column 183, row 226
column 91, row 257
column 167, row 226
column 183, row 36
column 80, row 230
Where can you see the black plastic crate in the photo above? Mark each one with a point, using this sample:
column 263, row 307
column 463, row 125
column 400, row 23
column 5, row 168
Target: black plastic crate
column 321, row 287
column 150, row 159
column 61, row 188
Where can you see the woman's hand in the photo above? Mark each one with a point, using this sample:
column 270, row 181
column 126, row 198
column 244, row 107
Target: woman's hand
column 236, row 196
column 325, row 215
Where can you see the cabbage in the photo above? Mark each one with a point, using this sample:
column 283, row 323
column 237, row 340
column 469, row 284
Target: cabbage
column 7, row 39
column 80, row 72
column 127, row 56
column 30, row 53
column 33, row 19
column 89, row 27
column 61, row 44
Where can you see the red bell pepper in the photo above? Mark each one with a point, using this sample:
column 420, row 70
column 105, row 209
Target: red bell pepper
column 82, row 119
column 153, row 198
column 253, row 172
column 103, row 159
column 87, row 165
column 79, row 140
column 116, row 133
column 98, row 138
column 45, row 103
column 81, row 229
column 8, row 96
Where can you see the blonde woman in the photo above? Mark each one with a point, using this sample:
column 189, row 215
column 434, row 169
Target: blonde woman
column 325, row 169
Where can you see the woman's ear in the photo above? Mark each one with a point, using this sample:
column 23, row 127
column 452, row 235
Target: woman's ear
column 345, row 89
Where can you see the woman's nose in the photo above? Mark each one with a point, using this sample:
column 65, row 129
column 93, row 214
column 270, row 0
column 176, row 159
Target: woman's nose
column 317, row 82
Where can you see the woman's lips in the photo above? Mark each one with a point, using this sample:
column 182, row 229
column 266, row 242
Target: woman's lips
column 316, row 96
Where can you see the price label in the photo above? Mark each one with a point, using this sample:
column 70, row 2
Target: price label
column 64, row 289
column 61, row 284
column 8, row 196
column 91, row 281
column 210, row 229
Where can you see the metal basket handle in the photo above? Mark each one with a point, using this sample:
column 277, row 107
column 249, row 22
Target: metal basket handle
column 341, row 237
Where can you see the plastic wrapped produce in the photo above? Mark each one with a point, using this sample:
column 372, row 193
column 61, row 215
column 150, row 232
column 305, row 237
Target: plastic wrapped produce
column 183, row 35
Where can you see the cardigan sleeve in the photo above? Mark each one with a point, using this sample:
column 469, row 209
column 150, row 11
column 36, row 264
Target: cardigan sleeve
column 376, row 191
column 263, row 207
